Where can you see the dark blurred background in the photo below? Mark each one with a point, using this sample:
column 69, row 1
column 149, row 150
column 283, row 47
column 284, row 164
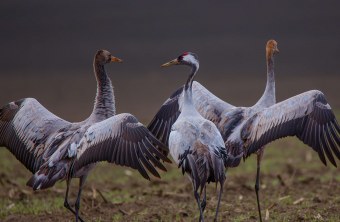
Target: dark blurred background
column 47, row 48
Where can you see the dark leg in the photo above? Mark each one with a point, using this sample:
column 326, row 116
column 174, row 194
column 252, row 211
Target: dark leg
column 77, row 204
column 257, row 184
column 199, row 205
column 219, row 200
column 204, row 201
column 66, row 204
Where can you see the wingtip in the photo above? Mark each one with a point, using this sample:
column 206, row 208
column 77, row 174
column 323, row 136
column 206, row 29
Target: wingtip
column 158, row 176
column 147, row 177
column 332, row 162
column 162, row 167
column 323, row 161
column 167, row 160
column 29, row 183
column 247, row 155
column 155, row 173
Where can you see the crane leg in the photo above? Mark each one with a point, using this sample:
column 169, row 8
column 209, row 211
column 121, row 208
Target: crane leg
column 257, row 183
column 77, row 204
column 204, row 201
column 197, row 197
column 219, row 200
column 66, row 204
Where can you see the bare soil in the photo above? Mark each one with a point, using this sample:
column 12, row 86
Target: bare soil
column 294, row 187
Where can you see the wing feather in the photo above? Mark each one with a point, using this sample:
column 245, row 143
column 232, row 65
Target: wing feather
column 124, row 141
column 121, row 158
column 336, row 136
column 151, row 156
column 131, row 157
column 328, row 152
column 140, row 167
column 146, row 161
column 307, row 116
column 25, row 127
column 166, row 117
column 208, row 105
column 329, row 138
column 151, row 142
column 115, row 151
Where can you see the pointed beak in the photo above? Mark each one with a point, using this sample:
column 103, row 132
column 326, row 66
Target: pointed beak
column 172, row 62
column 115, row 59
column 277, row 50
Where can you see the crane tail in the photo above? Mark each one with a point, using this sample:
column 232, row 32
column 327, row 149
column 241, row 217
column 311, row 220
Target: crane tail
column 46, row 177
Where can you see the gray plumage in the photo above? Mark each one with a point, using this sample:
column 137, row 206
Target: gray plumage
column 247, row 130
column 307, row 116
column 54, row 149
column 195, row 143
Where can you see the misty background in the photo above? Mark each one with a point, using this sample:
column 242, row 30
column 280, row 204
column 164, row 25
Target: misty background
column 47, row 50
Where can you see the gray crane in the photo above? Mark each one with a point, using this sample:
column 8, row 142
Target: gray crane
column 195, row 143
column 247, row 130
column 54, row 149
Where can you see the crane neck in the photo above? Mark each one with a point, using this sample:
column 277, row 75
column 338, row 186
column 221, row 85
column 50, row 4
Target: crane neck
column 104, row 106
column 270, row 86
column 270, row 68
column 188, row 101
column 269, row 96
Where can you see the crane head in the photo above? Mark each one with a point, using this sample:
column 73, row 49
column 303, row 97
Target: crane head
column 104, row 56
column 187, row 58
column 271, row 47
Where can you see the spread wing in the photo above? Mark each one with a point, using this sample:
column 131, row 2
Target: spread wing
column 25, row 127
column 307, row 116
column 122, row 140
column 160, row 125
column 207, row 104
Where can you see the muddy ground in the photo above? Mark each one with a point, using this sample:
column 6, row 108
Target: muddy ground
column 295, row 186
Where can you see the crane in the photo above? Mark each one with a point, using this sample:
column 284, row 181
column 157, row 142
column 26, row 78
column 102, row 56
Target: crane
column 54, row 149
column 246, row 130
column 195, row 143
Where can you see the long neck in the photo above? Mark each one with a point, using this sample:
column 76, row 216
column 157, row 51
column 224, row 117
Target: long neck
column 104, row 106
column 188, row 102
column 269, row 98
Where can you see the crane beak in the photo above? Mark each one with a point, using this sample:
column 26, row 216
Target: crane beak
column 115, row 59
column 172, row 62
column 277, row 50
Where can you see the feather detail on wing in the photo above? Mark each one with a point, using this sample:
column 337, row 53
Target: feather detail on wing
column 307, row 116
column 208, row 105
column 25, row 127
column 124, row 141
column 160, row 125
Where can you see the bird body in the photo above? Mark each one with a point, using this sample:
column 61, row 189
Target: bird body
column 195, row 143
column 189, row 130
column 54, row 149
column 60, row 154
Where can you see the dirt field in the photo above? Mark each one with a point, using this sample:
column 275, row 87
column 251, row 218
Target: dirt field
column 295, row 186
